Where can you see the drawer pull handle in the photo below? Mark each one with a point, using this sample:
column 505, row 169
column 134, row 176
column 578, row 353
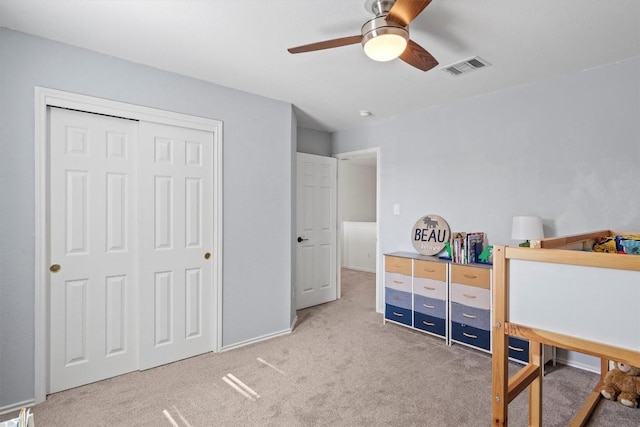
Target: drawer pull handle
column 470, row 276
column 429, row 270
column 398, row 265
column 469, row 316
column 469, row 335
column 397, row 298
column 398, row 314
column 469, row 296
column 398, row 281
column 516, row 348
column 429, row 288
column 429, row 306
column 428, row 323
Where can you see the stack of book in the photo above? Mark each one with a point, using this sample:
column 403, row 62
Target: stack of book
column 466, row 247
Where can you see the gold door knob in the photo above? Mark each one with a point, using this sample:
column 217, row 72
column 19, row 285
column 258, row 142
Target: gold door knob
column 207, row 255
column 54, row 268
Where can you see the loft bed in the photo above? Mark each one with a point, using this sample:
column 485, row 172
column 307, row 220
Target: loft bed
column 557, row 293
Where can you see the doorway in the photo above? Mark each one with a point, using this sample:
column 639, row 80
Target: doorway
column 154, row 338
column 358, row 229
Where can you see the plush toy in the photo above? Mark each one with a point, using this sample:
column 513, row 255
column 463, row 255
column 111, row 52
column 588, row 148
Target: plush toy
column 623, row 383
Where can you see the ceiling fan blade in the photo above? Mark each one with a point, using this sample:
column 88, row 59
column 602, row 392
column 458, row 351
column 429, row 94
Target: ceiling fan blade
column 405, row 11
column 417, row 56
column 327, row 44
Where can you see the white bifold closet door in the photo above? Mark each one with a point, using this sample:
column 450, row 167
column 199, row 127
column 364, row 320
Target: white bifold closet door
column 176, row 235
column 130, row 224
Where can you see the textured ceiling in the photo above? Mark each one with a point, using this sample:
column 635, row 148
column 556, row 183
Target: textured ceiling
column 242, row 44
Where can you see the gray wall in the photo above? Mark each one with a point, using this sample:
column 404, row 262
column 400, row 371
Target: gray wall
column 312, row 141
column 357, row 191
column 565, row 149
column 258, row 151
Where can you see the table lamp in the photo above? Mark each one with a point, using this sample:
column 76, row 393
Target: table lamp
column 526, row 228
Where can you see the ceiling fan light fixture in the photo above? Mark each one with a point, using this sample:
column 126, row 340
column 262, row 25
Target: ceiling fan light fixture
column 382, row 40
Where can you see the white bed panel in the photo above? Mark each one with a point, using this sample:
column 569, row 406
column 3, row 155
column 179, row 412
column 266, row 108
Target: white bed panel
column 584, row 302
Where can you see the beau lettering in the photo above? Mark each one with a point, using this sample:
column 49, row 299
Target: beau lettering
column 430, row 235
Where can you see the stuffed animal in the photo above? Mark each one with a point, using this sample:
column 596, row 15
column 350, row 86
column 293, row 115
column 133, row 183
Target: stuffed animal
column 623, row 383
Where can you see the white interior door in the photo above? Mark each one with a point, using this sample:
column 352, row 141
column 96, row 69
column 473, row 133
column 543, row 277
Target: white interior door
column 316, row 223
column 93, row 241
column 176, row 272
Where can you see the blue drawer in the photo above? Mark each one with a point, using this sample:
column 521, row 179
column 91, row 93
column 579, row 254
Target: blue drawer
column 397, row 314
column 470, row 335
column 519, row 349
column 435, row 325
column 397, row 298
column 471, row 316
column 430, row 306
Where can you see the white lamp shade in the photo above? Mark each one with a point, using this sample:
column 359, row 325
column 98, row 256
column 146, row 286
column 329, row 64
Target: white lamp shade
column 527, row 228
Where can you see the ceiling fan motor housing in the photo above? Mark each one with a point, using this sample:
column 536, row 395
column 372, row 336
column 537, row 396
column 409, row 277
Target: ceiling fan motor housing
column 379, row 7
column 379, row 26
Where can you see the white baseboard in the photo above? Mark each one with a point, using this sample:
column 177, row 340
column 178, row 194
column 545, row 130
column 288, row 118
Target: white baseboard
column 17, row 406
column 256, row 340
column 578, row 360
column 578, row 365
column 359, row 269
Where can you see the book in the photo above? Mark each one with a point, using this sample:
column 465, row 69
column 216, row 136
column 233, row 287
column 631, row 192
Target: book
column 458, row 247
column 475, row 245
column 466, row 247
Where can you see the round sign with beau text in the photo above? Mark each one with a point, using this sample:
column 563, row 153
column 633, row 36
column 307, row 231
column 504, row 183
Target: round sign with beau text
column 430, row 234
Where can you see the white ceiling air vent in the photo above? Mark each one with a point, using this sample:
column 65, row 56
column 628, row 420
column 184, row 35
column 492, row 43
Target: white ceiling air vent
column 466, row 66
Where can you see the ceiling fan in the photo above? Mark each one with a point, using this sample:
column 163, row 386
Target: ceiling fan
column 386, row 36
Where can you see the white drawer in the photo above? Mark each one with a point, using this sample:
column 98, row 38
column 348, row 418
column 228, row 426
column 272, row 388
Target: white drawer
column 472, row 296
column 397, row 281
column 430, row 288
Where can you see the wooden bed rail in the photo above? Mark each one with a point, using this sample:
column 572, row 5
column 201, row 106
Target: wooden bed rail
column 592, row 348
column 558, row 242
column 505, row 389
column 586, row 239
column 562, row 256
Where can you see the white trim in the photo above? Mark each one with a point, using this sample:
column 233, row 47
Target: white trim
column 16, row 406
column 367, row 152
column 44, row 98
column 256, row 340
column 595, row 368
column 364, row 270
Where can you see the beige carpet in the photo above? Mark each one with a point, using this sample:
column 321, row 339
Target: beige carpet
column 340, row 367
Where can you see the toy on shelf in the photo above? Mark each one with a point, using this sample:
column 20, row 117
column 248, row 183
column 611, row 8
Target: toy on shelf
column 486, row 256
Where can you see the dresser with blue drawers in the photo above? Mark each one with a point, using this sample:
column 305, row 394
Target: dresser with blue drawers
column 398, row 290
column 430, row 297
column 450, row 301
column 416, row 292
column 470, row 297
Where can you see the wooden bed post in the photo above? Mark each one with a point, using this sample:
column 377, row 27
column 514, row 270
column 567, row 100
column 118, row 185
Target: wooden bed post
column 535, row 388
column 500, row 381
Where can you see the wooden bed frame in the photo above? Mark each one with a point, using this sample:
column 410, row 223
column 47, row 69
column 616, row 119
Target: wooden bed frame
column 534, row 292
